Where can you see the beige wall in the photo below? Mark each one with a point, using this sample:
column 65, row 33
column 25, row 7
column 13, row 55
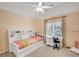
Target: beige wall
column 39, row 26
column 11, row 21
column 71, row 23
column 71, row 28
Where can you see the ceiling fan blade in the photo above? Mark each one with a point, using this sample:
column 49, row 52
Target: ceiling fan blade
column 41, row 10
column 35, row 6
column 40, row 3
column 34, row 10
column 46, row 7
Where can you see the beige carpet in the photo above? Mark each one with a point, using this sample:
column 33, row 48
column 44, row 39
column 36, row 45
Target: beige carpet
column 46, row 51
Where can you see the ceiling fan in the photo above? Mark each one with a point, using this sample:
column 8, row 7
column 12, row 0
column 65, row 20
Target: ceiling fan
column 40, row 7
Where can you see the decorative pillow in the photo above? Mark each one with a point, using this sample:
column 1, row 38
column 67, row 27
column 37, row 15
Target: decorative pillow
column 25, row 43
column 32, row 40
column 33, row 36
column 39, row 38
column 19, row 43
column 77, row 44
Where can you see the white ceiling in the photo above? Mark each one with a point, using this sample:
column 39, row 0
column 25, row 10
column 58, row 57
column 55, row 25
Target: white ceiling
column 25, row 8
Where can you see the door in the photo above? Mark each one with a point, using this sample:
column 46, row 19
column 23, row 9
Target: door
column 58, row 31
column 49, row 33
column 53, row 29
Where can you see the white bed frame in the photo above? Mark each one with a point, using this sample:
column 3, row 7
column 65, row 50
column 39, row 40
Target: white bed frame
column 13, row 47
column 75, row 50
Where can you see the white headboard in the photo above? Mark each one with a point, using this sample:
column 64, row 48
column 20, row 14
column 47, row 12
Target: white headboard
column 19, row 34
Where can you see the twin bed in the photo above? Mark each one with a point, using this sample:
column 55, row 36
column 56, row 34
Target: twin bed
column 22, row 42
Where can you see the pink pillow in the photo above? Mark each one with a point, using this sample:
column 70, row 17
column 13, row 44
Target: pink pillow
column 39, row 38
column 77, row 44
column 33, row 36
column 32, row 40
column 20, row 44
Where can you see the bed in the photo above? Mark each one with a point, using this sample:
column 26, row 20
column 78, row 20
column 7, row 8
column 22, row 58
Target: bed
column 22, row 42
column 75, row 49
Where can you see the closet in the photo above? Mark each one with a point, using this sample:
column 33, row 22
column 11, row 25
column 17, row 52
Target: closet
column 54, row 29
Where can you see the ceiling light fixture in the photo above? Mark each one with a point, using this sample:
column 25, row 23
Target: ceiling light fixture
column 40, row 7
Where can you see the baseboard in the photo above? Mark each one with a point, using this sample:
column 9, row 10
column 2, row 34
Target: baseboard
column 69, row 47
column 3, row 52
column 49, row 45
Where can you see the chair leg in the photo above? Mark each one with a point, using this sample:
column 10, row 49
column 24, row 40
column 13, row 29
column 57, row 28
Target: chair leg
column 56, row 46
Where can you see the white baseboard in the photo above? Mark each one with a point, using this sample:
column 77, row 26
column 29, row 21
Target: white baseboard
column 3, row 51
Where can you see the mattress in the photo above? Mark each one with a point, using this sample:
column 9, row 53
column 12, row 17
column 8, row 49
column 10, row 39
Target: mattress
column 22, row 43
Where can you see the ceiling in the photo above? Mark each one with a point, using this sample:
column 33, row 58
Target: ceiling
column 25, row 8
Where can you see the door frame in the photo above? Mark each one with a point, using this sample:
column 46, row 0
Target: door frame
column 63, row 28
